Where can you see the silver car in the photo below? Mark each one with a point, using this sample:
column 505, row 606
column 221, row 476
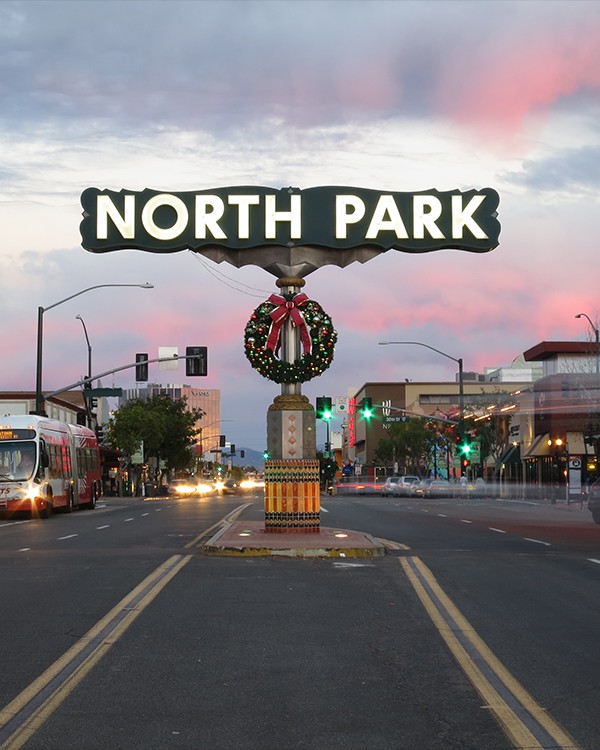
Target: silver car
column 390, row 486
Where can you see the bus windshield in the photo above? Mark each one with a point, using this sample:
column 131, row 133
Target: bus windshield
column 17, row 460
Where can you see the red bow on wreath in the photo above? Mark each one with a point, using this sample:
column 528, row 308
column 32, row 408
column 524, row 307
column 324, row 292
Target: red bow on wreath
column 284, row 308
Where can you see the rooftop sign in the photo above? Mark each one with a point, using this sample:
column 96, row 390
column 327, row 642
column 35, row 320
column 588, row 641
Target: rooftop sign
column 339, row 218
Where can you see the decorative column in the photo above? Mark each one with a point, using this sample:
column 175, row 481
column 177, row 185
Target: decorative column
column 290, row 339
column 292, row 486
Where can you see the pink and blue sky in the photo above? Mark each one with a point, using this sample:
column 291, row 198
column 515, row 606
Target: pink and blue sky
column 400, row 96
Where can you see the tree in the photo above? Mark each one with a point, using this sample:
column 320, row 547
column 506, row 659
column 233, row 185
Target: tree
column 409, row 443
column 165, row 427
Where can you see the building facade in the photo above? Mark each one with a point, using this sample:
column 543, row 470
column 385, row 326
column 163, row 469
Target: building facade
column 66, row 407
column 559, row 418
column 413, row 399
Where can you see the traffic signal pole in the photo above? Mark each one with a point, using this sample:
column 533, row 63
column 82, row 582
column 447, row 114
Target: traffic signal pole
column 111, row 372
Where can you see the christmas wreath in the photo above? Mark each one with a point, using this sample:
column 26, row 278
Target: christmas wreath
column 263, row 332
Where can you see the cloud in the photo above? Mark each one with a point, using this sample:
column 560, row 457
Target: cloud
column 573, row 170
column 388, row 95
column 223, row 65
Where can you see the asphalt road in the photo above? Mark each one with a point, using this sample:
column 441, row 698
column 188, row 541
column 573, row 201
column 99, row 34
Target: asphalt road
column 119, row 633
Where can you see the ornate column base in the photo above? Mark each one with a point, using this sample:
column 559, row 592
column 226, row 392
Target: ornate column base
column 292, row 495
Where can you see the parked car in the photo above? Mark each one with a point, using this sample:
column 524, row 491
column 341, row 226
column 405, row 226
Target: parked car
column 390, row 486
column 440, row 488
column 418, row 489
column 399, row 485
column 406, row 484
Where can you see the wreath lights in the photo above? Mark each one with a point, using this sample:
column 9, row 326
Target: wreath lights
column 263, row 331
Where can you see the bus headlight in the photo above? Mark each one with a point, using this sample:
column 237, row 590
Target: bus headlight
column 31, row 492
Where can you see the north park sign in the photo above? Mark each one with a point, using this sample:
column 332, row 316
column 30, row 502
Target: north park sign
column 243, row 218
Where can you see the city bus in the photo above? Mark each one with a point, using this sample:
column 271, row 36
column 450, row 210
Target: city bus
column 46, row 465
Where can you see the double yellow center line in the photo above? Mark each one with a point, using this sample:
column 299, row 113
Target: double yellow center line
column 524, row 721
column 23, row 716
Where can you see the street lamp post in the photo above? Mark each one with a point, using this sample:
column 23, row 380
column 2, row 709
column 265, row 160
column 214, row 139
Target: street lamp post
column 461, row 387
column 89, row 347
column 597, row 336
column 39, row 399
column 88, row 383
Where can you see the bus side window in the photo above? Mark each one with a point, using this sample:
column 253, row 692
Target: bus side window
column 44, row 459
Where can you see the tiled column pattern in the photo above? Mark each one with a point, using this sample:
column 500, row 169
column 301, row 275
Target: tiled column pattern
column 292, row 495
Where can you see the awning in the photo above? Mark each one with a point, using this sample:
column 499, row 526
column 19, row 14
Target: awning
column 539, row 447
column 512, row 455
column 576, row 443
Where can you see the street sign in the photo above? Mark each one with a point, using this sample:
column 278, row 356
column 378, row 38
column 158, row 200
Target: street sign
column 341, row 404
column 103, row 391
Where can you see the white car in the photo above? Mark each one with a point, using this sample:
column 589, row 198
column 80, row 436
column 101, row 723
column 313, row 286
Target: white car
column 406, row 484
column 390, row 486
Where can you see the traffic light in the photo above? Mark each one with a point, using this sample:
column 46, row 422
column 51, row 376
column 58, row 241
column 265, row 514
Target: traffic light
column 196, row 360
column 265, row 454
column 232, row 449
column 324, row 408
column 141, row 367
column 366, row 408
column 221, row 441
column 464, row 449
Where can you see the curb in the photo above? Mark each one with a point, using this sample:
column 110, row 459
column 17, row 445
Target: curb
column 249, row 539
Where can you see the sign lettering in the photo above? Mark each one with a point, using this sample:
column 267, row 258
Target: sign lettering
column 330, row 217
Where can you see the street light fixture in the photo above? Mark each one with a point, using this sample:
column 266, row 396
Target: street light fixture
column 39, row 400
column 88, row 383
column 597, row 335
column 89, row 346
column 461, row 392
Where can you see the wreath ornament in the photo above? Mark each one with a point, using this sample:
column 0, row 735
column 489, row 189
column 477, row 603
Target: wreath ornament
column 262, row 338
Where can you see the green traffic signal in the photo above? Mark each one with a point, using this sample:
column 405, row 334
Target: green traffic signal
column 324, row 408
column 366, row 408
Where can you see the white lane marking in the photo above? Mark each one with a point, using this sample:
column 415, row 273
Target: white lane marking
column 128, row 519
column 324, row 509
column 591, row 559
column 26, row 549
column 157, row 510
column 69, row 536
column 145, row 514
column 498, row 531
column 15, row 523
column 464, row 520
column 442, row 515
column 106, row 526
column 537, row 541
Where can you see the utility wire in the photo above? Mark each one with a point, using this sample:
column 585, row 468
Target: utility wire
column 225, row 279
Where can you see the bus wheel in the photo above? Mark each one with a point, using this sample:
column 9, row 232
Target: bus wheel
column 69, row 506
column 93, row 499
column 46, row 511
